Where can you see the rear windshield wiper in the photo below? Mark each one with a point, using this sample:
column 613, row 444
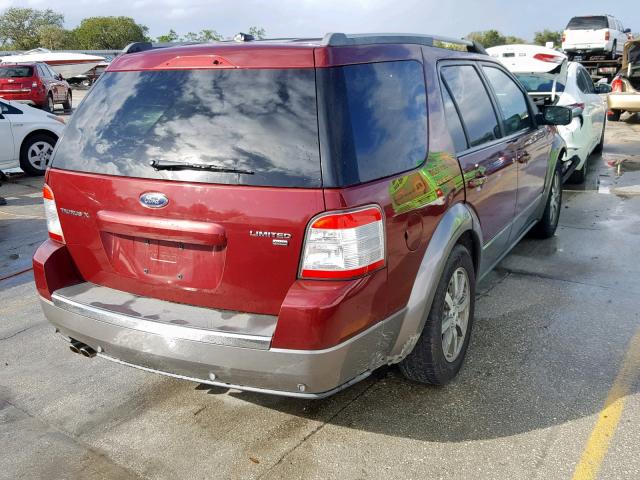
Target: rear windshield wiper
column 209, row 167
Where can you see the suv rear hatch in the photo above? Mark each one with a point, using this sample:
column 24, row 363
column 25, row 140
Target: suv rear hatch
column 583, row 31
column 15, row 79
column 192, row 186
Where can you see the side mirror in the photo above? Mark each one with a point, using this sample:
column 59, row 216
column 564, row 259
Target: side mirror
column 555, row 115
column 603, row 88
column 627, row 30
column 59, row 77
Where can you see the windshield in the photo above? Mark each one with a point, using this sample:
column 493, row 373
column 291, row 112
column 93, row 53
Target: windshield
column 588, row 23
column 16, row 72
column 261, row 121
column 539, row 83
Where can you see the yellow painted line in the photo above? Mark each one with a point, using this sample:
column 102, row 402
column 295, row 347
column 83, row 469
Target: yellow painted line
column 604, row 430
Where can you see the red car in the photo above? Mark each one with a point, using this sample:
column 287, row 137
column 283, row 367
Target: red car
column 287, row 216
column 34, row 84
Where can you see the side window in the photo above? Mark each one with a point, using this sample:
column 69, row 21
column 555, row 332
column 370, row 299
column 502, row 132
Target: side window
column 511, row 100
column 474, row 104
column 584, row 82
column 453, row 122
column 52, row 73
column 43, row 71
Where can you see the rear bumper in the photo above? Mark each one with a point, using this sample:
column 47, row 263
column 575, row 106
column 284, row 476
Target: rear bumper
column 590, row 48
column 627, row 101
column 24, row 97
column 216, row 358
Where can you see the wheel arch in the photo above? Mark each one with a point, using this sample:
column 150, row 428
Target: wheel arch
column 33, row 133
column 459, row 225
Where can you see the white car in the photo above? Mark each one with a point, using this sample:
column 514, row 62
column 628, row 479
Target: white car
column 598, row 35
column 550, row 79
column 27, row 137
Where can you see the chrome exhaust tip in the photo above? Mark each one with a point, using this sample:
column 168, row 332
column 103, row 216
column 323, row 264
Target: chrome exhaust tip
column 75, row 346
column 87, row 351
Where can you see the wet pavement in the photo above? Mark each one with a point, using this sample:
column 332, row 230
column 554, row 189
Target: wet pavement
column 555, row 326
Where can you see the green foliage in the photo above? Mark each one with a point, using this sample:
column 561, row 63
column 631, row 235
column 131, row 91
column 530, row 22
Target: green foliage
column 541, row 38
column 492, row 38
column 258, row 32
column 172, row 36
column 202, row 36
column 20, row 27
column 96, row 33
column 54, row 37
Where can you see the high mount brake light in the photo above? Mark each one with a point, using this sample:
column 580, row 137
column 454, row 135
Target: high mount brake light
column 51, row 212
column 546, row 57
column 343, row 245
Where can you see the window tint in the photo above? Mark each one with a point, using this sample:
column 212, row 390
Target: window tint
column 588, row 23
column 473, row 101
column 584, row 81
column 43, row 71
column 374, row 117
column 453, row 122
column 16, row 72
column 511, row 100
column 263, row 121
column 51, row 73
column 541, row 82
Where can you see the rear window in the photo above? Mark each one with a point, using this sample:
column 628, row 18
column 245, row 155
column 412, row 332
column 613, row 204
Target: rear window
column 588, row 23
column 539, row 83
column 260, row 121
column 373, row 119
column 16, row 72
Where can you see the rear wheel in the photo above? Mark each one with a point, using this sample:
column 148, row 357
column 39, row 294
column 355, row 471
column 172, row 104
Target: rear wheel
column 49, row 106
column 35, row 154
column 67, row 103
column 614, row 115
column 547, row 225
column 440, row 351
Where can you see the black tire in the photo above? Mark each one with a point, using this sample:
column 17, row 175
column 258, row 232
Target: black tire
column 427, row 363
column 49, row 106
column 25, row 164
column 614, row 115
column 546, row 226
column 68, row 102
column 578, row 177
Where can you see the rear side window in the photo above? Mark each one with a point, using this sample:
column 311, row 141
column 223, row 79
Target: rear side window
column 588, row 23
column 584, row 82
column 473, row 102
column 511, row 100
column 453, row 122
column 374, row 118
column 16, row 72
column 260, row 121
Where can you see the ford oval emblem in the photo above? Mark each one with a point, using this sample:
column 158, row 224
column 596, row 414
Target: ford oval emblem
column 154, row 200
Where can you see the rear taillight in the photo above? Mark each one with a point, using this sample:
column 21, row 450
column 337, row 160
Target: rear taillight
column 340, row 245
column 616, row 85
column 51, row 212
column 607, row 35
column 546, row 57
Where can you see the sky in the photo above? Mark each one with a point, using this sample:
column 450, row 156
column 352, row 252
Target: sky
column 287, row 18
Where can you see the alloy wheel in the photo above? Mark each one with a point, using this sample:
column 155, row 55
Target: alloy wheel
column 39, row 155
column 456, row 314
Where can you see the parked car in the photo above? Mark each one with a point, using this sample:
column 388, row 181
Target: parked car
column 34, row 84
column 597, row 35
column 551, row 79
column 296, row 213
column 625, row 95
column 27, row 136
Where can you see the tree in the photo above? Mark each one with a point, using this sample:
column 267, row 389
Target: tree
column 113, row 33
column 541, row 38
column 257, row 32
column 172, row 36
column 202, row 36
column 54, row 37
column 19, row 27
column 491, row 38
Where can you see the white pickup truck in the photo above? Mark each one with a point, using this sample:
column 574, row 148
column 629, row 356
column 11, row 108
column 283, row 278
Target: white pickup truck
column 594, row 36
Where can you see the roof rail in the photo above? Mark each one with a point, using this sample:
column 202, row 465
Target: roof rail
column 342, row 39
column 137, row 47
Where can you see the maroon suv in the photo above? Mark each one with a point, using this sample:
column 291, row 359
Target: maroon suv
column 287, row 216
column 34, row 84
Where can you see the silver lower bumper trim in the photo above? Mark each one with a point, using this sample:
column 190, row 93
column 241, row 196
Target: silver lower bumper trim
column 296, row 373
